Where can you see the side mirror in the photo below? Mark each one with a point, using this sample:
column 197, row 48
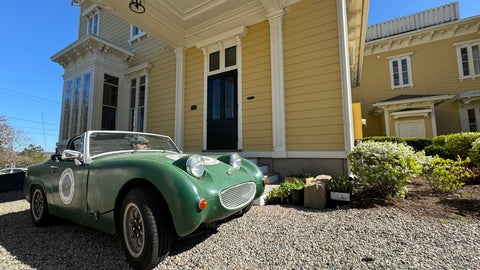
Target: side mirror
column 72, row 155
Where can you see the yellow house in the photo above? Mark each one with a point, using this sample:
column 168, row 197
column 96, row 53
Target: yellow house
column 421, row 75
column 270, row 79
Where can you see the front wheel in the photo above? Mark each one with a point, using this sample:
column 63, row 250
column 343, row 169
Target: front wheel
column 39, row 207
column 145, row 228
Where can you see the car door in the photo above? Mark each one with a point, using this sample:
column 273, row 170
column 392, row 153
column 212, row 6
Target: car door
column 68, row 186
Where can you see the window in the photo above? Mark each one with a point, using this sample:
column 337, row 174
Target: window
column 110, row 102
column 135, row 34
column 92, row 26
column 400, row 71
column 222, row 60
column 472, row 122
column 468, row 57
column 75, row 106
column 470, row 117
column 137, row 103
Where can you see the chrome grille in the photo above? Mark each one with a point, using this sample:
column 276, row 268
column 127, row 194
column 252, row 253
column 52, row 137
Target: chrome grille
column 237, row 196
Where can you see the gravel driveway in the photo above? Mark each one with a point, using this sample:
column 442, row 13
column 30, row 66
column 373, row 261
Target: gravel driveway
column 269, row 237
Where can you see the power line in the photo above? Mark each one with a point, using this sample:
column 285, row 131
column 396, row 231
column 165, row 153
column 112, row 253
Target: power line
column 32, row 121
column 34, row 128
column 41, row 99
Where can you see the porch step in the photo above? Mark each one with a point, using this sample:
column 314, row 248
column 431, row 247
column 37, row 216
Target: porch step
column 262, row 200
column 272, row 178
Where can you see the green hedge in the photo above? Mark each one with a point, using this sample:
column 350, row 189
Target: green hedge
column 453, row 145
column 418, row 144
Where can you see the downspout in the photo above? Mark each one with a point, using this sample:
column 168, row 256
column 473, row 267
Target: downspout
column 345, row 76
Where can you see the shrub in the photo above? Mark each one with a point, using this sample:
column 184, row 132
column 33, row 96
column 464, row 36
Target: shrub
column 383, row 139
column 283, row 192
column 459, row 144
column 474, row 153
column 446, row 175
column 439, row 140
column 418, row 144
column 342, row 184
column 384, row 167
column 438, row 150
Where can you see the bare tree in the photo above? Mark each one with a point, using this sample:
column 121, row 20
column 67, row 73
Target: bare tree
column 12, row 142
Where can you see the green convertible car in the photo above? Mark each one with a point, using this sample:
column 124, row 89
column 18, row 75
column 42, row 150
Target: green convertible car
column 141, row 186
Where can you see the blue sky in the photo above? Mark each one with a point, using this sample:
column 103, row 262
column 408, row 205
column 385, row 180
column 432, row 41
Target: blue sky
column 31, row 84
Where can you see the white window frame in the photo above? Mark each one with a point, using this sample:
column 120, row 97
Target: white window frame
column 464, row 120
column 90, row 14
column 137, row 100
column 70, row 130
column 137, row 36
column 468, row 45
column 399, row 58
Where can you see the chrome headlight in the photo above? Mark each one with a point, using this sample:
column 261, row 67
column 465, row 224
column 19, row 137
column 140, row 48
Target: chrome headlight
column 195, row 165
column 236, row 161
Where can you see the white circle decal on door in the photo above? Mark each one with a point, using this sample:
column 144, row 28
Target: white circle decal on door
column 66, row 186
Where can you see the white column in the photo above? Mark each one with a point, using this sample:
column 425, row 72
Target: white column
column 345, row 75
column 278, row 84
column 179, row 92
column 387, row 122
column 433, row 118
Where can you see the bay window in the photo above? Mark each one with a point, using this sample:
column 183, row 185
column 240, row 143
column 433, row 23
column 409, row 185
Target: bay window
column 76, row 100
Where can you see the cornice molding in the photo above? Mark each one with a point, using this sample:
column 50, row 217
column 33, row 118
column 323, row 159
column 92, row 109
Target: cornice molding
column 90, row 44
column 435, row 33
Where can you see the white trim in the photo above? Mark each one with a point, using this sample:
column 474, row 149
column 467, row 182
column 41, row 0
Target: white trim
column 433, row 118
column 387, row 123
column 179, row 96
column 239, row 31
column 136, row 37
column 92, row 9
column 345, row 75
column 275, row 20
column 468, row 42
column 433, row 33
column 424, row 113
column 220, row 43
column 141, row 68
column 399, row 59
column 399, row 55
column 471, row 68
column 239, row 92
column 413, row 100
column 288, row 154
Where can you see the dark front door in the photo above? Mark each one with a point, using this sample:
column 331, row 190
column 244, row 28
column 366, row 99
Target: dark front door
column 222, row 113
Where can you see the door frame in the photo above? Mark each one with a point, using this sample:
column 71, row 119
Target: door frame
column 239, row 102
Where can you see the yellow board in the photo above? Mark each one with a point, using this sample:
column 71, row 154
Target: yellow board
column 357, row 121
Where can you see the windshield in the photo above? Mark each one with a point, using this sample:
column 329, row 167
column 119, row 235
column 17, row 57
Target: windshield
column 107, row 142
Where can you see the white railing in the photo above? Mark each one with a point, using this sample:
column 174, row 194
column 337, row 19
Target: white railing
column 426, row 18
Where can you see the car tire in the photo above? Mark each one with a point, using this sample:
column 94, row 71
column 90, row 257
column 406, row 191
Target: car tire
column 39, row 207
column 146, row 229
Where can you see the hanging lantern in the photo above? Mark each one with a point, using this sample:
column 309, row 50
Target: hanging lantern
column 137, row 6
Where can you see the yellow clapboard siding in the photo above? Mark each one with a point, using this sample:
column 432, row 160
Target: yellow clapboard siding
column 256, row 114
column 312, row 77
column 434, row 72
column 193, row 120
